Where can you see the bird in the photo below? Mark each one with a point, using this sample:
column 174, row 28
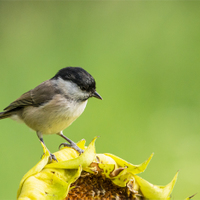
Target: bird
column 53, row 105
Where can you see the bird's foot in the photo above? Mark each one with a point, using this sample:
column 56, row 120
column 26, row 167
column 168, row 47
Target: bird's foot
column 52, row 157
column 72, row 145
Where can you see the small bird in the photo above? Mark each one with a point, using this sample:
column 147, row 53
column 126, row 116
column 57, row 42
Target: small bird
column 53, row 105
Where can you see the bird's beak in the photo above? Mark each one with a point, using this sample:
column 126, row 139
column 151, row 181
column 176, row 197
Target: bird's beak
column 95, row 94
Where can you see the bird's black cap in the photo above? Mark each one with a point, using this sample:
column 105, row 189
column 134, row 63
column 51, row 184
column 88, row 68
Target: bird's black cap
column 79, row 76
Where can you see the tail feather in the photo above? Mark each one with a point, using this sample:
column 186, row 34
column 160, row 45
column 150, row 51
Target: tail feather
column 4, row 115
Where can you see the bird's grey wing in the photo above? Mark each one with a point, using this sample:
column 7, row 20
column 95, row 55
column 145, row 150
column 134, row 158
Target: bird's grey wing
column 44, row 93
column 24, row 100
column 35, row 97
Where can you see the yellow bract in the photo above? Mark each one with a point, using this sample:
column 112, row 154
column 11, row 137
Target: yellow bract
column 151, row 191
column 52, row 181
column 47, row 181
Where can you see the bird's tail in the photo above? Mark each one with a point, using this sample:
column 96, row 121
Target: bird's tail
column 4, row 115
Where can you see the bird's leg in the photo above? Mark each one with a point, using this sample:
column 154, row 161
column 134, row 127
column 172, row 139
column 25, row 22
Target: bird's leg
column 71, row 143
column 51, row 157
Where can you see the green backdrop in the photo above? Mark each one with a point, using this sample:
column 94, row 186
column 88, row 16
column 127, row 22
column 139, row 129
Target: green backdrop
column 145, row 59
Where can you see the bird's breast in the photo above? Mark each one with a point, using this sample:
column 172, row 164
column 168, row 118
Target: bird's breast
column 54, row 116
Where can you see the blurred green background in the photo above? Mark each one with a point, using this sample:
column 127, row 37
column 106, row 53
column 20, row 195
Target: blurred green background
column 145, row 59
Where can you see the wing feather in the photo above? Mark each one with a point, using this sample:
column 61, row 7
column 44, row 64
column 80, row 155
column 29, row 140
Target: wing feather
column 22, row 101
column 35, row 97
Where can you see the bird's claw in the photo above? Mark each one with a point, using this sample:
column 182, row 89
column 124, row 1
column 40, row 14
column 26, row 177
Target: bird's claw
column 52, row 157
column 72, row 145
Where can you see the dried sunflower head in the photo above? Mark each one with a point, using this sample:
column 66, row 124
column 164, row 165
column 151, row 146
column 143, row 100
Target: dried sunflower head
column 89, row 176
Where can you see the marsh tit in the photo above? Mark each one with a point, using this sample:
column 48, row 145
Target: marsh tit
column 54, row 104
